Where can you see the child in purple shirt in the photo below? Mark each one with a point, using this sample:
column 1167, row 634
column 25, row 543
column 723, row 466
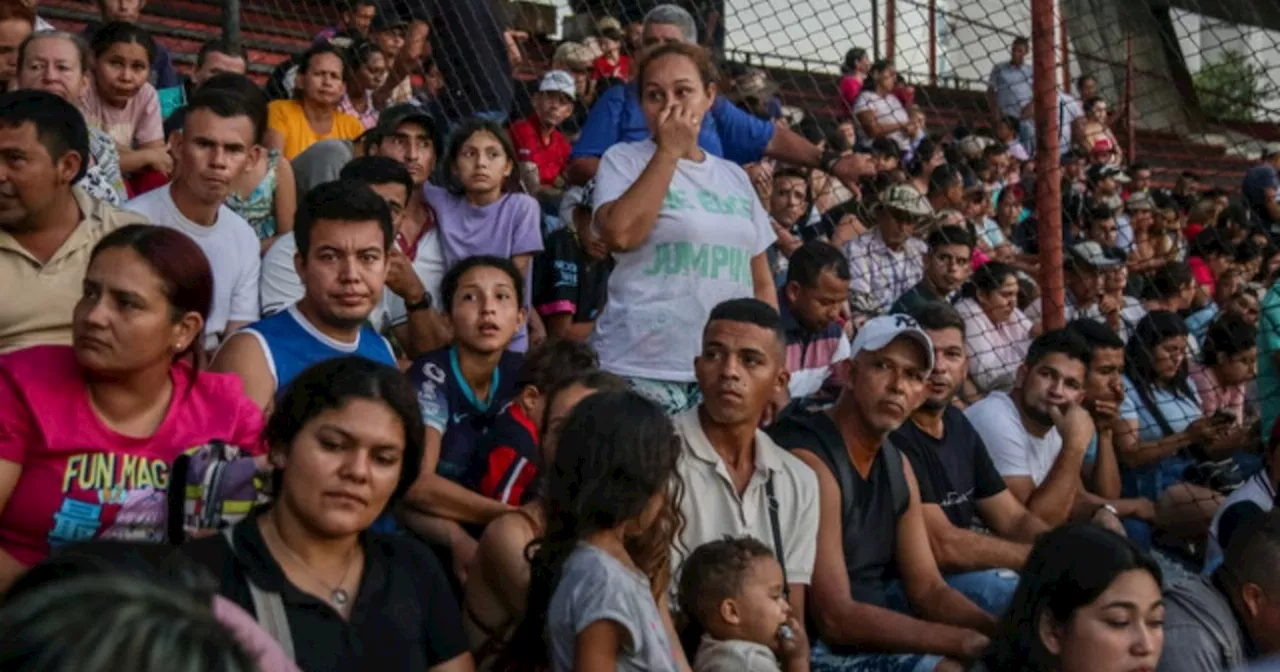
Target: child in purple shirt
column 477, row 215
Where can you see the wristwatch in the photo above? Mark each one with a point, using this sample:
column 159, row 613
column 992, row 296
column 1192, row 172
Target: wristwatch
column 421, row 304
column 829, row 159
column 1107, row 507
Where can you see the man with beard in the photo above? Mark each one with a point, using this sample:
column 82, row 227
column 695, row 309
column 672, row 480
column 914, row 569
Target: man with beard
column 219, row 130
column 48, row 226
column 737, row 481
column 344, row 235
column 407, row 134
column 871, row 527
column 961, row 493
column 1039, row 434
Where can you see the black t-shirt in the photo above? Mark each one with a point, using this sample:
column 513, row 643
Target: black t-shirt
column 405, row 616
column 566, row 280
column 954, row 472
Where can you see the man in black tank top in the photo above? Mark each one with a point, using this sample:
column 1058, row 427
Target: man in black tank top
column 871, row 528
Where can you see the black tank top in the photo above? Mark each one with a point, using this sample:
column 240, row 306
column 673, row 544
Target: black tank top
column 870, row 507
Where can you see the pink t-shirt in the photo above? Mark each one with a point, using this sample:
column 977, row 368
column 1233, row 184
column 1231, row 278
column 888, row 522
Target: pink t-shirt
column 82, row 480
column 850, row 85
column 138, row 123
column 1215, row 396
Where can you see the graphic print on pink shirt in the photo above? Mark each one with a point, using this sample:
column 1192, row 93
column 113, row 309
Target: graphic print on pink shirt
column 82, row 480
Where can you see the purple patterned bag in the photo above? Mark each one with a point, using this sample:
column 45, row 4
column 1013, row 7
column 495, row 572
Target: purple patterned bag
column 212, row 487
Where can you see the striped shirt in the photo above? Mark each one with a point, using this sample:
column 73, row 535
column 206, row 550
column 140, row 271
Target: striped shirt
column 810, row 355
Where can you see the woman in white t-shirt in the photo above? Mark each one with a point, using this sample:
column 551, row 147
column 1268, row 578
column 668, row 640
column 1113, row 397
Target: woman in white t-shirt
column 686, row 229
column 879, row 112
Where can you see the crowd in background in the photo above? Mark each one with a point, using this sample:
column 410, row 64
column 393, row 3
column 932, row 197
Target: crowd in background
column 399, row 362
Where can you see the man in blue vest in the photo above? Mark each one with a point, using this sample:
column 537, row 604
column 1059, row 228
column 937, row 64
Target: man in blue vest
column 344, row 234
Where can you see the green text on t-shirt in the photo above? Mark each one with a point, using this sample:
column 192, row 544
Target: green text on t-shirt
column 728, row 204
column 703, row 259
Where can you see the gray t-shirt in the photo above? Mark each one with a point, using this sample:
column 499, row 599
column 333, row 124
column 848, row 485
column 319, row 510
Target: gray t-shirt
column 596, row 587
column 1200, row 630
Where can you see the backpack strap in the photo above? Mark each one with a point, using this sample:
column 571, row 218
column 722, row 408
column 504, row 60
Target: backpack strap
column 897, row 476
column 267, row 606
column 777, row 534
column 806, row 431
column 176, row 500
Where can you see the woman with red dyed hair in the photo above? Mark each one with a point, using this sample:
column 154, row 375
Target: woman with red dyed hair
column 88, row 431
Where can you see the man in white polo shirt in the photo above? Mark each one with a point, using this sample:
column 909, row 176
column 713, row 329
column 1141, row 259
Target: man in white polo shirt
column 737, row 481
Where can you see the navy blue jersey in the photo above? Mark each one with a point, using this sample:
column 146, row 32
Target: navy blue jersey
column 449, row 406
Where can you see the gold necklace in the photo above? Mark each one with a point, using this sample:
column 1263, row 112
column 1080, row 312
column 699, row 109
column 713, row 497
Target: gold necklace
column 337, row 594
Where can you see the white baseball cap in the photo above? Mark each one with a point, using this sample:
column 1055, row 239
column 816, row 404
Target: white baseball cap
column 880, row 331
column 559, row 81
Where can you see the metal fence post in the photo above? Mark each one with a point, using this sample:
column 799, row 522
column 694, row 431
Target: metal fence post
column 890, row 28
column 231, row 21
column 1048, row 165
column 933, row 42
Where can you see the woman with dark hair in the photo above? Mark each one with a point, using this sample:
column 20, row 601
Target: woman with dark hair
column 598, row 582
column 346, row 442
column 879, row 112
column 1089, row 601
column 1163, row 431
column 119, row 100
column 365, row 73
column 853, row 73
column 90, row 429
column 312, row 114
column 498, row 584
column 686, row 229
column 997, row 334
column 1228, row 361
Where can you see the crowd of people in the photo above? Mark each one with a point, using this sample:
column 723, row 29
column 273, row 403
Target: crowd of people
column 395, row 364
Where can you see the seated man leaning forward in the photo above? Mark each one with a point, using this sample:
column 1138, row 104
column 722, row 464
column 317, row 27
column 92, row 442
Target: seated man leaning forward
column 871, row 526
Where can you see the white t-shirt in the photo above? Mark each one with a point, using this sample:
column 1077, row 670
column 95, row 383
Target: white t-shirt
column 887, row 110
column 281, row 286
column 232, row 249
column 1257, row 490
column 698, row 254
column 1014, row 450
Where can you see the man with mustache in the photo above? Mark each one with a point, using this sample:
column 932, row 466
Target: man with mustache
column 343, row 231
column 871, row 527
column 962, row 495
column 218, row 131
column 1039, row 434
column 48, row 226
column 737, row 481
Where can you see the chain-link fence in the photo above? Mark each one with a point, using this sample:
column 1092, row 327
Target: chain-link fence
column 1164, row 107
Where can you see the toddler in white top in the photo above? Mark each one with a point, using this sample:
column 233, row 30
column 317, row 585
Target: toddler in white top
column 735, row 590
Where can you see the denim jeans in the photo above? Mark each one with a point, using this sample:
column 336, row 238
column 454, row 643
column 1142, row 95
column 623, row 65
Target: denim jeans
column 822, row 659
column 991, row 589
